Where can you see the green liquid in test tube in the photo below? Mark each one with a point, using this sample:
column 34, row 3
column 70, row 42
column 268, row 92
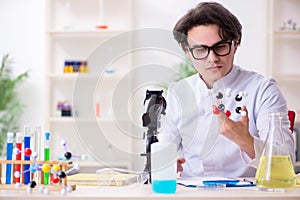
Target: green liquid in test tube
column 47, row 156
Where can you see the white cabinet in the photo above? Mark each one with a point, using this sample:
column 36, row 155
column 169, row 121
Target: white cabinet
column 284, row 51
column 284, row 48
column 73, row 35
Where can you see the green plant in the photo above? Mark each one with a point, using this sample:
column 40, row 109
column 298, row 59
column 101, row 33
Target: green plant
column 10, row 105
column 186, row 69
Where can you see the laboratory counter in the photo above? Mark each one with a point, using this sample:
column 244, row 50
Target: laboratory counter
column 145, row 192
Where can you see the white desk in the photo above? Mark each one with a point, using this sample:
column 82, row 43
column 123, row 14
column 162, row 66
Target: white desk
column 144, row 192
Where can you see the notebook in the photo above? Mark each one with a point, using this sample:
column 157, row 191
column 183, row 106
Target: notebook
column 103, row 179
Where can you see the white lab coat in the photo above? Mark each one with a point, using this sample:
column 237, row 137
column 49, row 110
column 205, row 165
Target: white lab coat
column 190, row 123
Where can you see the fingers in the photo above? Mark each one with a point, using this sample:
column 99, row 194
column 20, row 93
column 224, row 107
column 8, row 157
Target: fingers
column 224, row 123
column 228, row 127
column 180, row 161
column 244, row 113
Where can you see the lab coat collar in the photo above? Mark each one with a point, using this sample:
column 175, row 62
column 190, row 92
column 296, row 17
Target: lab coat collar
column 227, row 80
column 224, row 82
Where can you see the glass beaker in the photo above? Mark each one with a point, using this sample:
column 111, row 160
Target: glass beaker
column 275, row 169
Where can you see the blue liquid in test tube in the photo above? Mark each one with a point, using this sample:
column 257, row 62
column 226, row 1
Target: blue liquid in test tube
column 26, row 145
column 9, row 153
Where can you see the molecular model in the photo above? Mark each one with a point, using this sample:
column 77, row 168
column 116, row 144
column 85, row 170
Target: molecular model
column 57, row 175
column 289, row 25
column 221, row 107
column 68, row 155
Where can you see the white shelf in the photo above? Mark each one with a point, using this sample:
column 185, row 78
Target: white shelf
column 73, row 120
column 284, row 51
column 78, row 39
column 291, row 33
column 85, row 33
column 87, row 76
column 67, row 77
column 287, row 77
column 284, row 48
column 61, row 119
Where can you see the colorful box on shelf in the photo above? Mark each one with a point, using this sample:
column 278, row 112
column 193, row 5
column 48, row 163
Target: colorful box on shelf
column 75, row 66
column 63, row 109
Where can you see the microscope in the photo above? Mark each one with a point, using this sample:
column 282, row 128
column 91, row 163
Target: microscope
column 155, row 105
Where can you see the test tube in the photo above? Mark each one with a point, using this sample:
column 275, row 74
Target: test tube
column 19, row 141
column 37, row 140
column 46, row 156
column 9, row 152
column 27, row 135
column 37, row 145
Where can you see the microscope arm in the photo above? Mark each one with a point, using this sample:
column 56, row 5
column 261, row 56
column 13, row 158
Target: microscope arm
column 156, row 105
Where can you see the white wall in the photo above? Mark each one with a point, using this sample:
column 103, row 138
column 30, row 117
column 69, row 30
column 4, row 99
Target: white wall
column 22, row 36
column 251, row 13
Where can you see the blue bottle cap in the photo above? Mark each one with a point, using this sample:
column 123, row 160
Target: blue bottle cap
column 47, row 135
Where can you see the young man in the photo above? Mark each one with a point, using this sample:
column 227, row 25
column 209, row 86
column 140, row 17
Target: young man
column 219, row 117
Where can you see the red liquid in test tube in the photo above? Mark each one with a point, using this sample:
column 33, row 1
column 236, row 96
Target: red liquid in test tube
column 19, row 141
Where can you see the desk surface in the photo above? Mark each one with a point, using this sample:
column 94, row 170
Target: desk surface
column 144, row 192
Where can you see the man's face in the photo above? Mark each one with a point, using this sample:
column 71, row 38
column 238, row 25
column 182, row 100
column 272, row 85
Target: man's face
column 212, row 67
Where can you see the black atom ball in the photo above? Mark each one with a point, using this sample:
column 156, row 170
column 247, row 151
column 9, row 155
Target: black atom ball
column 221, row 107
column 238, row 110
column 68, row 155
column 32, row 184
column 219, row 95
column 238, row 98
column 61, row 174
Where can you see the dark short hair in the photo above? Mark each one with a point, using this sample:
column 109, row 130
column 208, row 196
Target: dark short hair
column 208, row 13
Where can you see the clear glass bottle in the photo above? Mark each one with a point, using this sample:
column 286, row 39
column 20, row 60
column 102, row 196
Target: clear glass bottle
column 275, row 169
column 68, row 16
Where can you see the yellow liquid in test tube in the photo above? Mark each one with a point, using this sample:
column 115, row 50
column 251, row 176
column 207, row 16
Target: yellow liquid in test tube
column 275, row 172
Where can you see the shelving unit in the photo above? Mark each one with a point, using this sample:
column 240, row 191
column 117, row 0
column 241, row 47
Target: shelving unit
column 284, row 53
column 284, row 48
column 72, row 35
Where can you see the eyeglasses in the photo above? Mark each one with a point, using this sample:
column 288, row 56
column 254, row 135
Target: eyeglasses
column 221, row 48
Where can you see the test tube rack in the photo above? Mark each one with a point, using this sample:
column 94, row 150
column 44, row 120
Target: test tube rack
column 53, row 187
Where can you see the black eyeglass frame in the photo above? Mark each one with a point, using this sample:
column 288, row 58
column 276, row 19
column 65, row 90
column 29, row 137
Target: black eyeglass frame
column 211, row 48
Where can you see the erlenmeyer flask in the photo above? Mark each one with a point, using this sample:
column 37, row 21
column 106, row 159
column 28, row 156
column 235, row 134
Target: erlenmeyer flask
column 275, row 169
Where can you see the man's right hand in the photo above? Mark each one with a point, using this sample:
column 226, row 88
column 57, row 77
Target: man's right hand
column 180, row 161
